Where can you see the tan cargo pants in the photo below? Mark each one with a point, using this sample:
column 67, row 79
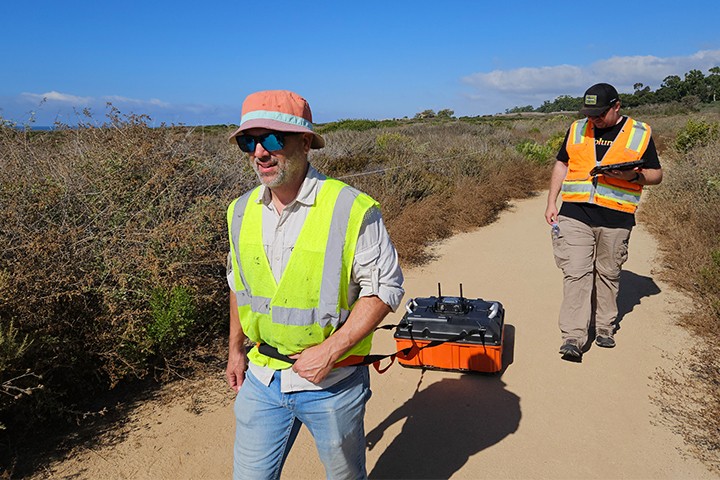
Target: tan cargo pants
column 591, row 259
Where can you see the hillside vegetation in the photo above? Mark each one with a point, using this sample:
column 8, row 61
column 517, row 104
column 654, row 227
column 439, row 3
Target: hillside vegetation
column 113, row 242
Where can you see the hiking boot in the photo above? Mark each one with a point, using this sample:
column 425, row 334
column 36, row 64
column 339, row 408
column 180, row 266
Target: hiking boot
column 605, row 340
column 570, row 349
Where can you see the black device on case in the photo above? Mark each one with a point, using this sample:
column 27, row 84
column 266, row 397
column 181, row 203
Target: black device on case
column 617, row 166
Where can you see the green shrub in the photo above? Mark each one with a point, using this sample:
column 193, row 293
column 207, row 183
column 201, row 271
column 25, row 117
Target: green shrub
column 696, row 133
column 555, row 141
column 392, row 141
column 358, row 125
column 173, row 315
column 541, row 153
column 534, row 151
column 12, row 345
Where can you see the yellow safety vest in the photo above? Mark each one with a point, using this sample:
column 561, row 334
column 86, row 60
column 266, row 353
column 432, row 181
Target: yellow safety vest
column 311, row 300
column 579, row 186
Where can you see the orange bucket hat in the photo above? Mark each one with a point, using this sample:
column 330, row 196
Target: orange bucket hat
column 279, row 110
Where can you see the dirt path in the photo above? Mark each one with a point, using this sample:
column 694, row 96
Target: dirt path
column 542, row 418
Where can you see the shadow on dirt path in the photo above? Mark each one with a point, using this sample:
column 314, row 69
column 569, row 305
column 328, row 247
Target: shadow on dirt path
column 448, row 422
column 633, row 288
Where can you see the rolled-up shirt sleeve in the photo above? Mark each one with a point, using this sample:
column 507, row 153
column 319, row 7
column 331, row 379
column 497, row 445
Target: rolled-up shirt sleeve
column 376, row 269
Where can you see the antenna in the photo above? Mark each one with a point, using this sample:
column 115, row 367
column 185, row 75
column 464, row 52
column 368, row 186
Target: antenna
column 439, row 292
column 461, row 295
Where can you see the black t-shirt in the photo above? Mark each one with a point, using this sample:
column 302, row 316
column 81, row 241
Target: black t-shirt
column 596, row 215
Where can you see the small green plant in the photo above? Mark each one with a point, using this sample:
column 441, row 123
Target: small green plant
column 392, row 141
column 12, row 348
column 696, row 133
column 555, row 141
column 173, row 315
column 12, row 345
column 357, row 125
column 542, row 153
column 535, row 151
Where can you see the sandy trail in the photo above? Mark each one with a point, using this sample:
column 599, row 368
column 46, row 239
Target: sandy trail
column 541, row 418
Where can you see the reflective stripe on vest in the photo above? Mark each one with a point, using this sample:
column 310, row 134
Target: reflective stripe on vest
column 310, row 301
column 639, row 137
column 235, row 214
column 578, row 131
column 579, row 186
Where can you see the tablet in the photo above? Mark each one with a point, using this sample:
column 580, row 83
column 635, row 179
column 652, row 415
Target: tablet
column 617, row 166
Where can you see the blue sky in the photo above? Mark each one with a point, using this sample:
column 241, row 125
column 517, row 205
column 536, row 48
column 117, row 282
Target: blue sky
column 193, row 62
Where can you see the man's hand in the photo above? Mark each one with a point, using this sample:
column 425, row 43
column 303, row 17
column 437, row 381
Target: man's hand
column 314, row 363
column 551, row 214
column 556, row 179
column 237, row 357
column 626, row 175
column 235, row 371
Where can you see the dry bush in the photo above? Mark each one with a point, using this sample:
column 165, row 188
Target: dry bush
column 112, row 253
column 433, row 180
column 665, row 127
column 113, row 240
column 683, row 214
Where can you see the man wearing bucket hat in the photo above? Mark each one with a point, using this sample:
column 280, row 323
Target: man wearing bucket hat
column 312, row 272
column 600, row 171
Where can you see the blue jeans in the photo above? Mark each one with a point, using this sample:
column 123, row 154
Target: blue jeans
column 268, row 422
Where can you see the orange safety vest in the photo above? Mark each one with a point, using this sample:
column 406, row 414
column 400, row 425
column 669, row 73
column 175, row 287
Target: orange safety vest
column 614, row 193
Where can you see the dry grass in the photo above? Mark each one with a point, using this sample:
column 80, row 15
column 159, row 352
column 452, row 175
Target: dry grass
column 683, row 214
column 435, row 180
column 113, row 244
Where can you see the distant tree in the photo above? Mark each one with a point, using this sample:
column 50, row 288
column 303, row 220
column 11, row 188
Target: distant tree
column 445, row 113
column 526, row 108
column 695, row 84
column 425, row 114
column 670, row 89
column 643, row 95
column 630, row 101
column 563, row 103
column 672, row 82
column 693, row 89
column 714, row 83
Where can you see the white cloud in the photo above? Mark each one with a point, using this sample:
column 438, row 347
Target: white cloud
column 77, row 101
column 54, row 96
column 526, row 79
column 47, row 108
column 651, row 70
column 526, row 85
column 117, row 99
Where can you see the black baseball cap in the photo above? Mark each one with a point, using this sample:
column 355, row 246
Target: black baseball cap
column 598, row 99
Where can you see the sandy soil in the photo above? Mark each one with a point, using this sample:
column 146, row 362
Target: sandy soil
column 541, row 418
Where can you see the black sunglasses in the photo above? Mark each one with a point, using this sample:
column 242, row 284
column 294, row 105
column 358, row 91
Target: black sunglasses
column 272, row 142
column 604, row 112
column 600, row 115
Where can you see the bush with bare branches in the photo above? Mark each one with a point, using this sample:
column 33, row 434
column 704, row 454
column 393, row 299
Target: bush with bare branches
column 683, row 214
column 113, row 239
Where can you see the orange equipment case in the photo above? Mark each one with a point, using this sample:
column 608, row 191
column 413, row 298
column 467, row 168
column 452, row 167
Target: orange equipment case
column 453, row 333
